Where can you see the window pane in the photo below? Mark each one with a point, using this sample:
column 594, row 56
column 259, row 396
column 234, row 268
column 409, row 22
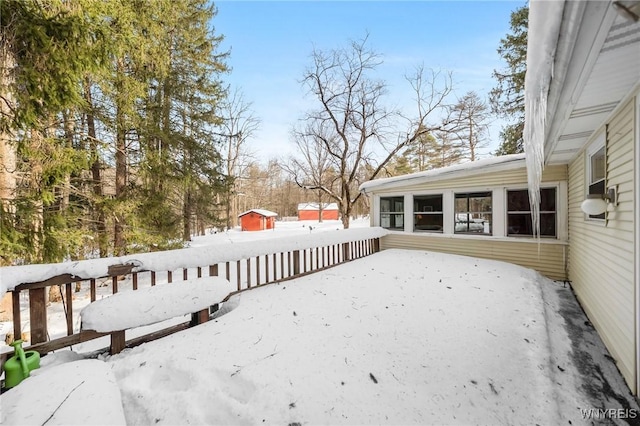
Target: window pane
column 547, row 224
column 547, row 199
column 473, row 213
column 427, row 203
column 518, row 201
column 427, row 222
column 520, row 224
column 519, row 213
column 392, row 204
column 597, row 166
column 391, row 215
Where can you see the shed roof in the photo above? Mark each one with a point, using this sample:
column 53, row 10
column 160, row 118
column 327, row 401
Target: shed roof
column 314, row 206
column 504, row 162
column 261, row 212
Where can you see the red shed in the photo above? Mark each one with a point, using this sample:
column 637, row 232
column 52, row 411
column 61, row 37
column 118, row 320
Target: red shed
column 257, row 220
column 310, row 211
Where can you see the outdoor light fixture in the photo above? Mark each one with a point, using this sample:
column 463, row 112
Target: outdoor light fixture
column 596, row 204
column 628, row 9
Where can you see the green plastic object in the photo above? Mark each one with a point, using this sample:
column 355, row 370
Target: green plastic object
column 19, row 366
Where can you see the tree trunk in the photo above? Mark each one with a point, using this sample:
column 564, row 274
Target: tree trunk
column 65, row 191
column 101, row 225
column 186, row 216
column 121, row 171
column 8, row 175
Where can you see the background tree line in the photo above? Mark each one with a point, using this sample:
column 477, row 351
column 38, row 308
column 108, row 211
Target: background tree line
column 107, row 138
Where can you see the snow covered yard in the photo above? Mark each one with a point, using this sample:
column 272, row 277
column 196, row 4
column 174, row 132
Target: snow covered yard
column 399, row 337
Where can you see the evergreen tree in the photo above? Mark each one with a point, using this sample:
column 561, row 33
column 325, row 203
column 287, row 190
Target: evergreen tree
column 471, row 115
column 507, row 98
column 46, row 49
column 106, row 113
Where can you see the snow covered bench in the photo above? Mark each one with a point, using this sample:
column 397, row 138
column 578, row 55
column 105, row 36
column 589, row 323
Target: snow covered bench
column 132, row 309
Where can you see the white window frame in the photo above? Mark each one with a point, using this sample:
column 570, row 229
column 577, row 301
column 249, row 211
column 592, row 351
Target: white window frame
column 598, row 144
column 557, row 211
column 491, row 212
column 378, row 221
column 441, row 212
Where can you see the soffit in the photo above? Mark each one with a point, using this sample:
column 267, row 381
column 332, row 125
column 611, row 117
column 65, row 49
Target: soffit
column 612, row 76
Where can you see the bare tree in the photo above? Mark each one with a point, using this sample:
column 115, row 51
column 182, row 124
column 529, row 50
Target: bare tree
column 312, row 165
column 352, row 124
column 470, row 129
column 238, row 127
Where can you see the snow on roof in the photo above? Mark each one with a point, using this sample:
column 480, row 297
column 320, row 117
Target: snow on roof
column 262, row 212
column 457, row 170
column 314, row 206
column 172, row 260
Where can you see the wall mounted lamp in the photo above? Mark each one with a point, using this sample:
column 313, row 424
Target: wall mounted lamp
column 596, row 204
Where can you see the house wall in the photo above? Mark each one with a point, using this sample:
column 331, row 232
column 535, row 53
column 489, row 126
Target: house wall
column 515, row 176
column 548, row 257
column 550, row 261
column 601, row 253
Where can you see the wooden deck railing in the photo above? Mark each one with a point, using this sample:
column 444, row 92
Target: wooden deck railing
column 247, row 273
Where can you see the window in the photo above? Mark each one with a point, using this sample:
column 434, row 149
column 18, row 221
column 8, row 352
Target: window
column 596, row 176
column 473, row 213
column 519, row 213
column 392, row 212
column 427, row 213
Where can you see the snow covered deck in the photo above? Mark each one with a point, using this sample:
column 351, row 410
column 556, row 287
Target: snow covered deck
column 398, row 337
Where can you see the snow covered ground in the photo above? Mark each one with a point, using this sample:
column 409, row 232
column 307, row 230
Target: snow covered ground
column 399, row 337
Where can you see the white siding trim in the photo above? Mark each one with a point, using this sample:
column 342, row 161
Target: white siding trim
column 562, row 211
column 448, row 212
column 408, row 212
column 499, row 213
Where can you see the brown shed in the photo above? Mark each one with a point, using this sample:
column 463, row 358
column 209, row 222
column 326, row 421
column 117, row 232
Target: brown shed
column 257, row 220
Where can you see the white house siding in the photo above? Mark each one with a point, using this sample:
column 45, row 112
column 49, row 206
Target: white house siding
column 601, row 255
column 481, row 180
column 549, row 261
column 549, row 257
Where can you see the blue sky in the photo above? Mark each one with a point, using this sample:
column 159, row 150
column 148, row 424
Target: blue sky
column 271, row 44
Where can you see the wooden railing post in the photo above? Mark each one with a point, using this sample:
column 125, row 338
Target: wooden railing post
column 238, row 274
column 38, row 315
column 69, row 307
column 17, row 325
column 346, row 256
column 376, row 245
column 258, row 270
column 248, row 272
column 296, row 262
column 92, row 289
column 213, row 270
